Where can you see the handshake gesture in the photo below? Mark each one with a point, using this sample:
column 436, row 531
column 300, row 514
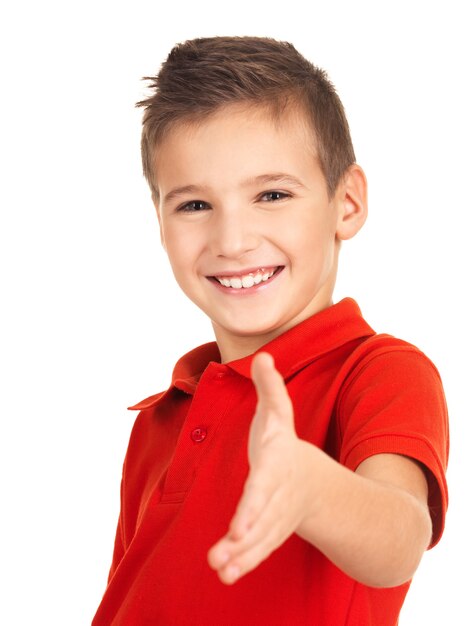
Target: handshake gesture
column 373, row 523
column 275, row 498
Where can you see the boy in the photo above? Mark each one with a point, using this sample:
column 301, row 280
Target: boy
column 293, row 473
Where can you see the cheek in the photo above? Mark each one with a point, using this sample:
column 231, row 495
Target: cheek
column 182, row 247
column 312, row 248
column 311, row 237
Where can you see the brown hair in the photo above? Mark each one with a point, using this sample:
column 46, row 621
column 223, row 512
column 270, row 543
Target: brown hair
column 202, row 75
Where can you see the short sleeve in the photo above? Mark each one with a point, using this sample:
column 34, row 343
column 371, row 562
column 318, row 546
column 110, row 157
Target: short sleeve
column 394, row 403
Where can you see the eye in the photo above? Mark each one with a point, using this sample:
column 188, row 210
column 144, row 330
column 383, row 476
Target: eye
column 195, row 206
column 274, row 196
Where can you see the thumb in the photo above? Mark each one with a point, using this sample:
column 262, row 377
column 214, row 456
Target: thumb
column 273, row 397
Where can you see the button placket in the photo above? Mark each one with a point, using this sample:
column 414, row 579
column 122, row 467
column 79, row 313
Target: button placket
column 207, row 410
column 199, row 434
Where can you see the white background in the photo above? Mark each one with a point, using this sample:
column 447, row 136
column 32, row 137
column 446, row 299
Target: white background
column 91, row 320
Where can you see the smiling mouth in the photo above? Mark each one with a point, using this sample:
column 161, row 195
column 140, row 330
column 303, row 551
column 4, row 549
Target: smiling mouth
column 251, row 279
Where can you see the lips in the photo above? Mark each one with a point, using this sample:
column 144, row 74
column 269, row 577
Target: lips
column 247, row 279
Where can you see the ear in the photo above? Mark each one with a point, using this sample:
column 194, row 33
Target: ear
column 156, row 204
column 351, row 203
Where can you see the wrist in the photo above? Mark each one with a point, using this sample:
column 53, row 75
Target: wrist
column 317, row 470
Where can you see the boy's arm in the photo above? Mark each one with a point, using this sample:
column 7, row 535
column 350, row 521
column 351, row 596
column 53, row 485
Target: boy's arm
column 374, row 523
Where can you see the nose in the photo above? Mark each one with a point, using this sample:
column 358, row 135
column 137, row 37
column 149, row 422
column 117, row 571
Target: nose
column 232, row 233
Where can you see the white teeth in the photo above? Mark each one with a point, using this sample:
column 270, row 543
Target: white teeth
column 247, row 281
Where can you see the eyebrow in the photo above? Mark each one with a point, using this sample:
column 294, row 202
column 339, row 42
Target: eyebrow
column 277, row 177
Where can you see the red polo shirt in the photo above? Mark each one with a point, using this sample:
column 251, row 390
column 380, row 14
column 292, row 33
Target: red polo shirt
column 354, row 393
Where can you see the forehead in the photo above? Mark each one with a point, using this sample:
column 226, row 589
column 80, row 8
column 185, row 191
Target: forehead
column 278, row 116
column 237, row 141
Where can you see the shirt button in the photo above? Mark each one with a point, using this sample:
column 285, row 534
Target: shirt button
column 199, row 434
column 220, row 375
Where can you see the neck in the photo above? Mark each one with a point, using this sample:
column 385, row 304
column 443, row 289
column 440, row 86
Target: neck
column 232, row 346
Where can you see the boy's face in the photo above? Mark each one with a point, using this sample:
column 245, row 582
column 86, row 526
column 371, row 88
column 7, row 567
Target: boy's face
column 246, row 221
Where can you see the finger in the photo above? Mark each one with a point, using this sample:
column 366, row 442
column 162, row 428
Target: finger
column 254, row 554
column 220, row 553
column 240, row 529
column 255, row 499
column 269, row 517
column 228, row 549
column 270, row 388
column 228, row 553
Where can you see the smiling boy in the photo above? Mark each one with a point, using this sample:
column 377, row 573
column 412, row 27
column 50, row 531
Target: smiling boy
column 293, row 473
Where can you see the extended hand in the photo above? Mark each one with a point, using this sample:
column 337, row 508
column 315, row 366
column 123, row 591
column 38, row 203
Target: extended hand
column 275, row 496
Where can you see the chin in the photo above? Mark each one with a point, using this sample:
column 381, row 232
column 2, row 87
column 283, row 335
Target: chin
column 250, row 329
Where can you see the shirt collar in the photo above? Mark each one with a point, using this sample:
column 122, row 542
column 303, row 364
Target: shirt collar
column 323, row 332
